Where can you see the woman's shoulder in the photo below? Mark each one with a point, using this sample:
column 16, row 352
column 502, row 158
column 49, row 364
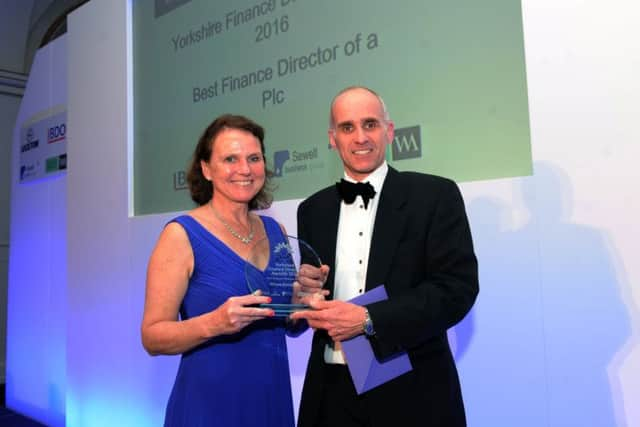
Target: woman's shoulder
column 174, row 235
column 192, row 218
column 266, row 219
column 271, row 224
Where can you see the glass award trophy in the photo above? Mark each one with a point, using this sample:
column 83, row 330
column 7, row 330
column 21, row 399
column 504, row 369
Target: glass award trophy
column 272, row 268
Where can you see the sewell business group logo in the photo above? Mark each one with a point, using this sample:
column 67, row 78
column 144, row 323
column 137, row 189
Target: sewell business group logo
column 288, row 162
column 279, row 159
column 28, row 171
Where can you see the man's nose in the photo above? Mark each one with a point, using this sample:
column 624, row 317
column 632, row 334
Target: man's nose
column 361, row 135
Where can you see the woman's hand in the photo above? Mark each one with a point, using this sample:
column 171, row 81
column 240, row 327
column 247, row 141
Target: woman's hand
column 238, row 312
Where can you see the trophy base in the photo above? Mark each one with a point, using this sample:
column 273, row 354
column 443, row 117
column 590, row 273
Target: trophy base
column 284, row 310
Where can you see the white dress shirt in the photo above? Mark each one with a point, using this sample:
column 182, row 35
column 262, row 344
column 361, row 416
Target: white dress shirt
column 355, row 227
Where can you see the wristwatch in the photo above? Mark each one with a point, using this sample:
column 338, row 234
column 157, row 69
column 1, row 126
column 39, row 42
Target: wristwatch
column 367, row 325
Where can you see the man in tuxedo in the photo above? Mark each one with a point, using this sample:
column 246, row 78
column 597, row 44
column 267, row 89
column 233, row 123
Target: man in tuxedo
column 408, row 231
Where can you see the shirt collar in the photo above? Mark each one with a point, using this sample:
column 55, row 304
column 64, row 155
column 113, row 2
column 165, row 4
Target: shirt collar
column 375, row 178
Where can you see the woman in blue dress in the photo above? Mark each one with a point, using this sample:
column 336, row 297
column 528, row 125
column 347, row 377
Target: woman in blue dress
column 233, row 370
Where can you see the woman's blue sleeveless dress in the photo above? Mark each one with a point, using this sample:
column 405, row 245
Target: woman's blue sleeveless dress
column 231, row 380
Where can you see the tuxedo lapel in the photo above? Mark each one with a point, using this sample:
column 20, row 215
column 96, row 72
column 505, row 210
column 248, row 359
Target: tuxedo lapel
column 326, row 238
column 389, row 223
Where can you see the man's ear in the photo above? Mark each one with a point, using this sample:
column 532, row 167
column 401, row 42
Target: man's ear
column 332, row 139
column 390, row 131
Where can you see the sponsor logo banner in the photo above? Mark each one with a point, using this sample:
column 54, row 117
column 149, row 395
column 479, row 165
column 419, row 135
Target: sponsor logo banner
column 180, row 181
column 407, row 143
column 43, row 147
column 296, row 162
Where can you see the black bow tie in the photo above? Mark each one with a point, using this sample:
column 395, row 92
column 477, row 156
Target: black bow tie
column 349, row 190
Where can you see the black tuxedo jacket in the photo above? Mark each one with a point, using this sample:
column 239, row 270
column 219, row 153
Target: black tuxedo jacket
column 421, row 250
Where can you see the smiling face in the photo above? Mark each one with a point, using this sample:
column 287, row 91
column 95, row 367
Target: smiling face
column 360, row 131
column 236, row 167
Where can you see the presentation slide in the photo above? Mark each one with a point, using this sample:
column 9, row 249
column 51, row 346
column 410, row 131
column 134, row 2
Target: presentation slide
column 452, row 74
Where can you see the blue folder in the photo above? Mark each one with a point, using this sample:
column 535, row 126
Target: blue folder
column 366, row 371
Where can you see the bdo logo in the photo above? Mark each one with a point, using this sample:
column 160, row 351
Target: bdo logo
column 179, row 180
column 56, row 133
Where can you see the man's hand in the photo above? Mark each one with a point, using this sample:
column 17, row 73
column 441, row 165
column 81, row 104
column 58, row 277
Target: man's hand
column 342, row 320
column 309, row 282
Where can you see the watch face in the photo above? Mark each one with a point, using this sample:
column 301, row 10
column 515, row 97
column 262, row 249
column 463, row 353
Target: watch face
column 368, row 326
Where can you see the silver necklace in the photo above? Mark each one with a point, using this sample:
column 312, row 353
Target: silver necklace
column 246, row 240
